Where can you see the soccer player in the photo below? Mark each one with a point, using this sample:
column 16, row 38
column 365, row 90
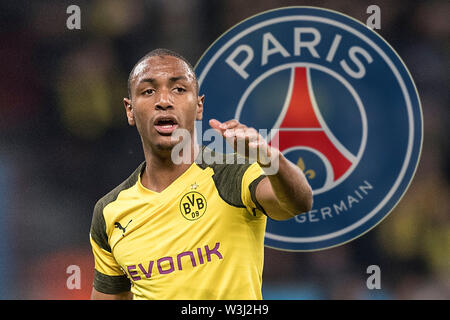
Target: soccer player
column 195, row 229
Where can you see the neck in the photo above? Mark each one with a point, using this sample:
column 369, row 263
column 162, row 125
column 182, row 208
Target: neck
column 161, row 170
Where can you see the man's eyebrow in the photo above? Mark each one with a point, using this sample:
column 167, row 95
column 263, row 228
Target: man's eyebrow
column 175, row 79
column 151, row 80
column 171, row 79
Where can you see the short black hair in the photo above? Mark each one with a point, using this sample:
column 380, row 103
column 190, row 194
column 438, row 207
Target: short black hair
column 161, row 52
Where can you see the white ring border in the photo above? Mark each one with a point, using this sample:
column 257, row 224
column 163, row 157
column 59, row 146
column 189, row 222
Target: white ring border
column 396, row 74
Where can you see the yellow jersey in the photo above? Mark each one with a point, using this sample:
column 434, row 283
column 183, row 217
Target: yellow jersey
column 200, row 238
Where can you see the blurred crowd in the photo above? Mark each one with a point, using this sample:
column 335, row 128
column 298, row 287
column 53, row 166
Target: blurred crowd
column 64, row 142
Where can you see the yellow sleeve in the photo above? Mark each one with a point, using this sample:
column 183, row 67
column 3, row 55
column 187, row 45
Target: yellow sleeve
column 108, row 275
column 252, row 176
column 104, row 261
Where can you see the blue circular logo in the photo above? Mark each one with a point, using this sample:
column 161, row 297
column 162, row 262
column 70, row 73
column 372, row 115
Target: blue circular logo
column 343, row 107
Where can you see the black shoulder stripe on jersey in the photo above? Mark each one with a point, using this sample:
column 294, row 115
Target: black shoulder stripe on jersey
column 98, row 225
column 252, row 188
column 227, row 174
column 111, row 284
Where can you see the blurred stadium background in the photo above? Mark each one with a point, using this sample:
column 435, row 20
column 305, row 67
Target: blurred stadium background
column 64, row 142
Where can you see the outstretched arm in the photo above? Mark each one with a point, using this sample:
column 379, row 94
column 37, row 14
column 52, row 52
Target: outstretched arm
column 284, row 193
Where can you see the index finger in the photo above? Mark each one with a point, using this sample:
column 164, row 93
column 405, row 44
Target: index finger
column 230, row 124
column 215, row 124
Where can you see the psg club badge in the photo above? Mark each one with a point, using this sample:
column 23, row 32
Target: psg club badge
column 344, row 108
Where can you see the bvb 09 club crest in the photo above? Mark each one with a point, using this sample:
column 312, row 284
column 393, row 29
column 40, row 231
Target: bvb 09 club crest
column 345, row 108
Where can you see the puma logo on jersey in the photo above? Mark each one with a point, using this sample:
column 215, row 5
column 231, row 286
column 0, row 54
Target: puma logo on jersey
column 119, row 226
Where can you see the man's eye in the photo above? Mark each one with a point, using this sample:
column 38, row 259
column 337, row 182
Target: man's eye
column 179, row 90
column 149, row 91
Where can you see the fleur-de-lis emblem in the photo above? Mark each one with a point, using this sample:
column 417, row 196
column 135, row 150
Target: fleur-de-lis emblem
column 310, row 173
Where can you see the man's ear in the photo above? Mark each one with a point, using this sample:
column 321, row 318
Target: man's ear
column 129, row 111
column 200, row 101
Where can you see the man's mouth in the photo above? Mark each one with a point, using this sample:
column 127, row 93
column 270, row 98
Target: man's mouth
column 165, row 125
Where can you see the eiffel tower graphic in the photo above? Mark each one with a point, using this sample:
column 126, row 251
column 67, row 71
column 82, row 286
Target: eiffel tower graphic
column 300, row 125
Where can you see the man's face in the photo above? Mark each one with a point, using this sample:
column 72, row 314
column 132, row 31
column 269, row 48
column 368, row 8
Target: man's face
column 163, row 98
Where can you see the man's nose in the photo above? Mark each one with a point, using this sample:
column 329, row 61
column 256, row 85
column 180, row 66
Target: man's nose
column 164, row 100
